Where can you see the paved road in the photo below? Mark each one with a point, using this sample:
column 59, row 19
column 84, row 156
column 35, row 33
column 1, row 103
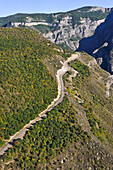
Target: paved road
column 55, row 102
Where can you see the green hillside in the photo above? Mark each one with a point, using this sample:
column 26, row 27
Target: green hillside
column 27, row 86
column 77, row 133
column 58, row 137
column 91, row 89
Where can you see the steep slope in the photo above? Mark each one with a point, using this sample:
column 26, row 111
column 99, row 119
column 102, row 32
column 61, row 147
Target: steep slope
column 75, row 134
column 27, row 86
column 103, row 34
column 64, row 29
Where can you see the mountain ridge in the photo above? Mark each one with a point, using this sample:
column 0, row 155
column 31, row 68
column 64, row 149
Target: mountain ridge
column 68, row 11
column 64, row 28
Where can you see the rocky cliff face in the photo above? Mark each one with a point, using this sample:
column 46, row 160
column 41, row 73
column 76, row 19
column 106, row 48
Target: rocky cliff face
column 67, row 29
column 100, row 44
column 70, row 36
column 64, row 29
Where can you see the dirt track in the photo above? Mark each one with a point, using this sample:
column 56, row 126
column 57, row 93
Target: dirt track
column 55, row 102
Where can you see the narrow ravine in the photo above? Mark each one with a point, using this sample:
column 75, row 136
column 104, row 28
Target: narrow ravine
column 54, row 103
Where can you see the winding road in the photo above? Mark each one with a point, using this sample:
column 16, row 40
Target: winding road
column 55, row 102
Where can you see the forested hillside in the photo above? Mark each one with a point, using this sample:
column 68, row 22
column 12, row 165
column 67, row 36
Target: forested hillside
column 57, row 142
column 77, row 133
column 27, row 86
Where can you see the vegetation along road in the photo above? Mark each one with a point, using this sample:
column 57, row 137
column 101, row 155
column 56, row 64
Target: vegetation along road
column 55, row 102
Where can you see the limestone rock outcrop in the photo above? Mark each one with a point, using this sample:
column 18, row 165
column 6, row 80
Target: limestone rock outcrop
column 65, row 29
